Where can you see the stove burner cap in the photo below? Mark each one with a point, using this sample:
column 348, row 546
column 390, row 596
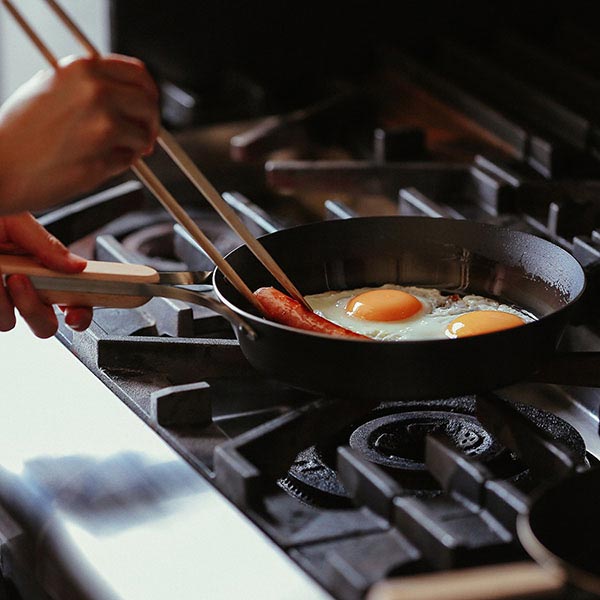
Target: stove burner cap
column 397, row 441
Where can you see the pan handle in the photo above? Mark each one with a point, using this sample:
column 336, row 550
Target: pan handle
column 571, row 368
column 11, row 264
column 499, row 582
column 114, row 285
column 139, row 293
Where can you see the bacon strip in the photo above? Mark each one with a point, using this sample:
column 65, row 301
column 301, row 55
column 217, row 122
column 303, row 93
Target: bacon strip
column 287, row 311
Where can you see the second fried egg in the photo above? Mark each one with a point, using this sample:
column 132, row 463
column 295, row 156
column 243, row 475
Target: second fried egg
column 392, row 313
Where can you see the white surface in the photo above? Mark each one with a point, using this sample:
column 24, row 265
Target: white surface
column 19, row 59
column 190, row 543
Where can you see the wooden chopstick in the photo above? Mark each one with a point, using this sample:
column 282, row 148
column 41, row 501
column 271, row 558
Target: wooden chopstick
column 151, row 181
column 200, row 182
column 72, row 27
column 191, row 171
column 142, row 171
column 31, row 34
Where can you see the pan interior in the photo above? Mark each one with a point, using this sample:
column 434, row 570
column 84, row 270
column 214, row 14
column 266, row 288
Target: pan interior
column 454, row 256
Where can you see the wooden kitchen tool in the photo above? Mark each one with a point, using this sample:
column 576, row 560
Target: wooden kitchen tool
column 499, row 582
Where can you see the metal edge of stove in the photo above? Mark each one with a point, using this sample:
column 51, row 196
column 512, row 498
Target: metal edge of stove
column 107, row 492
column 579, row 406
column 574, row 405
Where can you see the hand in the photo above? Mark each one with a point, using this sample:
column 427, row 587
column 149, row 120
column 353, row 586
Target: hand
column 23, row 234
column 66, row 131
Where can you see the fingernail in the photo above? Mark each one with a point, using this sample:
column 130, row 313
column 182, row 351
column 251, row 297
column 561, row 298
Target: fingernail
column 75, row 259
column 72, row 322
column 77, row 326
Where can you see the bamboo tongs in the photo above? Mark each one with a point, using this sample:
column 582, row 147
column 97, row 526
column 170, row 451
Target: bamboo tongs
column 189, row 169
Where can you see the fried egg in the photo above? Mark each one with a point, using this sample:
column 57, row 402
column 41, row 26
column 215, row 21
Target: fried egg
column 394, row 312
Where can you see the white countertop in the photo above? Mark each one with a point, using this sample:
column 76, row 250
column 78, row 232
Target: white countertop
column 129, row 518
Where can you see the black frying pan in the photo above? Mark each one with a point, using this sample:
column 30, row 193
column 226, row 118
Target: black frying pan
column 456, row 256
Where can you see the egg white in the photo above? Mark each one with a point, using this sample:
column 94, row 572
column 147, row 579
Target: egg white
column 429, row 323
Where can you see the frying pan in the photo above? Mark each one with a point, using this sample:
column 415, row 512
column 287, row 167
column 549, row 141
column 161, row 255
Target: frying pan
column 454, row 256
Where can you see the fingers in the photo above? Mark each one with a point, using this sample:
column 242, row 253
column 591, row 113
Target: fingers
column 78, row 318
column 129, row 105
column 39, row 316
column 122, row 117
column 117, row 93
column 128, row 70
column 113, row 67
column 66, row 118
column 116, row 131
column 29, row 235
column 109, row 164
column 7, row 312
column 134, row 93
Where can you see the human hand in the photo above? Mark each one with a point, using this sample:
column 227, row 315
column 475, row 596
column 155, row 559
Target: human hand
column 23, row 234
column 66, row 131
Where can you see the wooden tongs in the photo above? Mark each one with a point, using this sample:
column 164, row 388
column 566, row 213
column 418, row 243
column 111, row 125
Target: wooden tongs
column 151, row 181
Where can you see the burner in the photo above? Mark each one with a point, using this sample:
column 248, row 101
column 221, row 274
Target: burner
column 398, row 441
column 395, row 437
column 151, row 238
column 313, row 480
column 154, row 242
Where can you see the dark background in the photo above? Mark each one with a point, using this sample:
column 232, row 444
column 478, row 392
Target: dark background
column 291, row 46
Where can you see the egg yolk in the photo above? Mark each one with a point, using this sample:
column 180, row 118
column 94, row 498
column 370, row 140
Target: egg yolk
column 383, row 305
column 478, row 322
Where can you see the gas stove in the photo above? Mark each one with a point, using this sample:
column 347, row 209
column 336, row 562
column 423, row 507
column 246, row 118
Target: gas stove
column 350, row 497
column 331, row 500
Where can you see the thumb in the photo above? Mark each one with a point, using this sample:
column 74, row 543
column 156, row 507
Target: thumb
column 28, row 234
